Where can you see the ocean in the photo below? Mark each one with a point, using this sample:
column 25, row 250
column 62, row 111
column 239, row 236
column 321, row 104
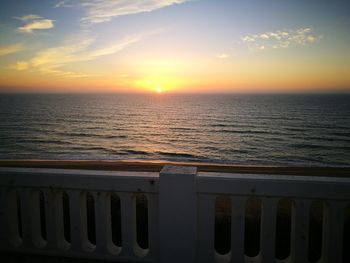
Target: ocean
column 247, row 129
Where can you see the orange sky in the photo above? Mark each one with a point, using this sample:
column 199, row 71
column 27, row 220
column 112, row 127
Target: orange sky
column 174, row 46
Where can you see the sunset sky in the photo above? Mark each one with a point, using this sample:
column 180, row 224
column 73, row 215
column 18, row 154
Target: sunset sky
column 174, row 45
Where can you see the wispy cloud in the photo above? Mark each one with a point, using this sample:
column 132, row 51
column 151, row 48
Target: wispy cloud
column 280, row 39
column 63, row 3
column 10, row 49
column 34, row 22
column 222, row 55
column 20, row 65
column 55, row 60
column 28, row 17
column 98, row 11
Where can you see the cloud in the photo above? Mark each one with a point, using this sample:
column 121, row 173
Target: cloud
column 63, row 3
column 34, row 22
column 28, row 17
column 222, row 55
column 20, row 65
column 10, row 49
column 98, row 11
column 54, row 60
column 280, row 39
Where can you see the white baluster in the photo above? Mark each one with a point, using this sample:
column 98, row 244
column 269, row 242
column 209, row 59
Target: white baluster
column 3, row 221
column 37, row 238
column 237, row 229
column 153, row 225
column 128, row 224
column 78, row 221
column 103, row 225
column 11, row 230
column 206, row 228
column 52, row 218
column 26, row 203
column 300, row 231
column 31, row 221
column 139, row 251
column 112, row 248
column 333, row 225
column 268, row 229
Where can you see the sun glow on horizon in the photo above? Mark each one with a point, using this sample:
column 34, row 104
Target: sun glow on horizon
column 159, row 89
column 82, row 47
column 158, row 84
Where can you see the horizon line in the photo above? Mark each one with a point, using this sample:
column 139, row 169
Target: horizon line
column 325, row 92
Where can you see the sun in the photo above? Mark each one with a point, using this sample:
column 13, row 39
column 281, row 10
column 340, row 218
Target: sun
column 159, row 89
column 156, row 85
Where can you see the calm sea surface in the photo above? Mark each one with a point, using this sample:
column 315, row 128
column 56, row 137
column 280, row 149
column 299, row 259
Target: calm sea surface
column 237, row 129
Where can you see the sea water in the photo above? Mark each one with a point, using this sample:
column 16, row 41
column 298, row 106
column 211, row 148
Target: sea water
column 249, row 129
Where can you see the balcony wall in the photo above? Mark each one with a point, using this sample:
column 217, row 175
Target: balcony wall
column 177, row 215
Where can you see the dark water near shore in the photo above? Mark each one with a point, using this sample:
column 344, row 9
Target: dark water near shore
column 237, row 129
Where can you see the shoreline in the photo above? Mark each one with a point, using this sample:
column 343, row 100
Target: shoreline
column 156, row 166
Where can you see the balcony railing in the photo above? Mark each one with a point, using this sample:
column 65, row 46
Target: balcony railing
column 177, row 215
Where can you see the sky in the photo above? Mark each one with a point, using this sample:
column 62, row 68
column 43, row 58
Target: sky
column 174, row 46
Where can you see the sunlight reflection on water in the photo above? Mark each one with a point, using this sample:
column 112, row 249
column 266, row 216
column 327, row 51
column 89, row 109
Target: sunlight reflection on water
column 244, row 129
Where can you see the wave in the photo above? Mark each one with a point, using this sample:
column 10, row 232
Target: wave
column 134, row 152
column 175, row 154
column 35, row 141
column 182, row 129
column 89, row 135
column 319, row 146
column 239, row 129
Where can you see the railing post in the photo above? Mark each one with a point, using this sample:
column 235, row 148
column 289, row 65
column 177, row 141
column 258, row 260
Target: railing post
column 178, row 214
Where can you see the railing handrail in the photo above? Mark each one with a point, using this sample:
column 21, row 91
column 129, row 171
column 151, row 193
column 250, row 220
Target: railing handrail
column 156, row 166
column 207, row 182
column 79, row 179
column 271, row 185
column 181, row 217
